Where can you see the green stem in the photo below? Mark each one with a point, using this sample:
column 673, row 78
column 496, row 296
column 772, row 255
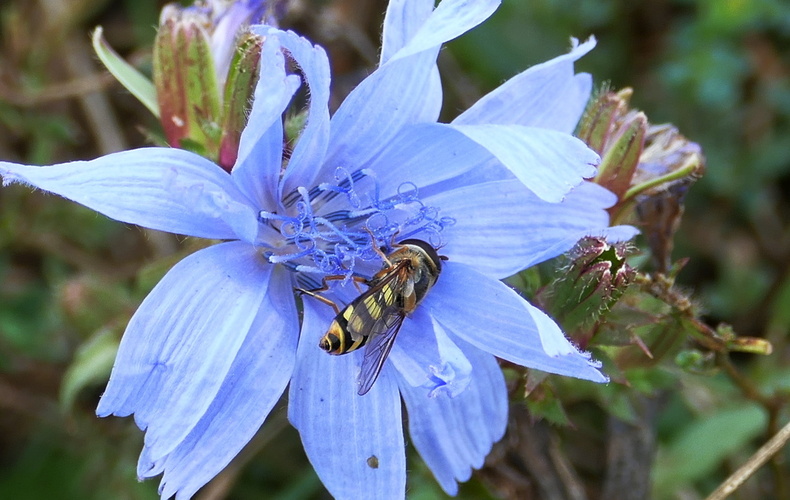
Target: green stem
column 687, row 169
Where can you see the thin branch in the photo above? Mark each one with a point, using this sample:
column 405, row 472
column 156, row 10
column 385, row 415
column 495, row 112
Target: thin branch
column 756, row 461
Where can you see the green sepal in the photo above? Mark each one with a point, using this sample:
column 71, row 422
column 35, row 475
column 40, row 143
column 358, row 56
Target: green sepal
column 194, row 146
column 589, row 285
column 622, row 157
column 598, row 121
column 294, row 124
column 200, row 86
column 171, row 98
column 239, row 90
column 134, row 81
column 659, row 337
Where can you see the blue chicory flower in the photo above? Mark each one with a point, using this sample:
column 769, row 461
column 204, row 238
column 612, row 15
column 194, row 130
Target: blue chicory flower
column 214, row 345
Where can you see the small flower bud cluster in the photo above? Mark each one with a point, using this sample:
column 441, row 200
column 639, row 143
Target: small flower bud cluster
column 205, row 70
column 649, row 168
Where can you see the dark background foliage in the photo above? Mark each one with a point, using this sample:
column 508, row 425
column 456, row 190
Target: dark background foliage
column 70, row 279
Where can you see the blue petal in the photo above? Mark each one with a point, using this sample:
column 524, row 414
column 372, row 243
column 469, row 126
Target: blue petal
column 181, row 342
column 355, row 443
column 548, row 95
column 422, row 155
column 548, row 162
column 401, row 22
column 616, row 234
column 425, row 154
column 391, row 97
column 257, row 170
column 255, row 382
column 400, row 91
column 454, row 434
column 504, row 324
column 501, row 227
column 159, row 188
column 311, row 146
column 433, row 97
column 426, row 357
column 451, row 19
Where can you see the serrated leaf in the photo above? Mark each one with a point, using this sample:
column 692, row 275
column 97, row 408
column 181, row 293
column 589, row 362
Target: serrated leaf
column 92, row 365
column 134, row 81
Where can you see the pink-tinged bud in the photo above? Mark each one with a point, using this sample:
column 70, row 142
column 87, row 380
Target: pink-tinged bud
column 589, row 285
column 648, row 167
column 618, row 135
column 669, row 165
column 205, row 69
column 185, row 81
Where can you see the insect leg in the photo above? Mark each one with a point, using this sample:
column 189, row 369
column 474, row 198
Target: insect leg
column 376, row 248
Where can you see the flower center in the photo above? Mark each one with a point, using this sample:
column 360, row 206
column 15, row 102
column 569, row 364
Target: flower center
column 332, row 228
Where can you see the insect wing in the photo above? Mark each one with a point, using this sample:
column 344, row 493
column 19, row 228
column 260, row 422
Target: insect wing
column 369, row 307
column 379, row 344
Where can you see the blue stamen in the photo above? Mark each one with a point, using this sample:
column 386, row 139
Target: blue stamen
column 336, row 242
column 281, row 259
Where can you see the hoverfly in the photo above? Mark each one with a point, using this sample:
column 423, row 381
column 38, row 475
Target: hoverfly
column 374, row 318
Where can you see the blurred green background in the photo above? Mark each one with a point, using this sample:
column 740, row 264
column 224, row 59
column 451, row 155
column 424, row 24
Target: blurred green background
column 69, row 279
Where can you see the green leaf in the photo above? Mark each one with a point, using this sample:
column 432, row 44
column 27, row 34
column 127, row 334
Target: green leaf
column 547, row 405
column 703, row 444
column 134, row 81
column 92, row 365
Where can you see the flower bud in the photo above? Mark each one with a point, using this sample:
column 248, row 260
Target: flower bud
column 590, row 285
column 696, row 361
column 648, row 167
column 618, row 135
column 669, row 165
column 205, row 69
